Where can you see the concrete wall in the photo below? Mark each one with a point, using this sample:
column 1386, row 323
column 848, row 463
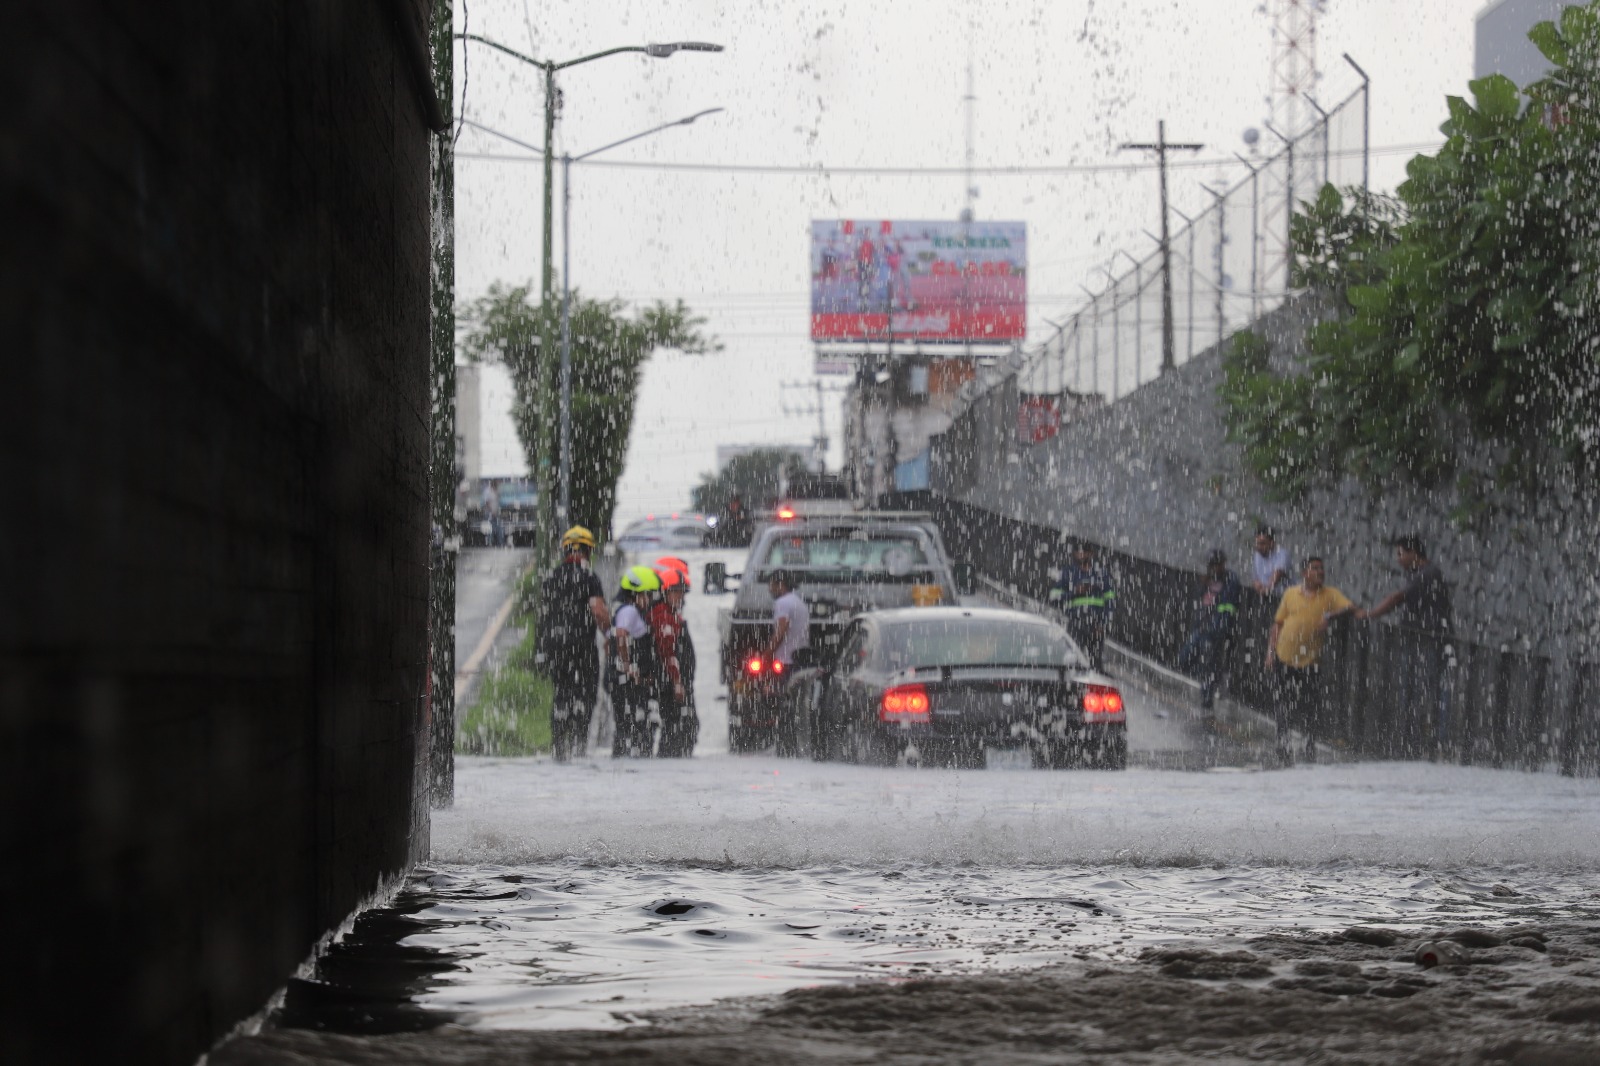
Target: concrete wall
column 214, row 294
column 1152, row 476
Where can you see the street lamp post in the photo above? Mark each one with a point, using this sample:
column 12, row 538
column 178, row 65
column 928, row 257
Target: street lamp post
column 542, row 537
column 564, row 509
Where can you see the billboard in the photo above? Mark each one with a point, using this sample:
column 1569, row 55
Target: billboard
column 959, row 282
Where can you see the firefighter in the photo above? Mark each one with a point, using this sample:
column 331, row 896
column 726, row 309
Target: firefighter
column 686, row 654
column 632, row 674
column 678, row 724
column 572, row 614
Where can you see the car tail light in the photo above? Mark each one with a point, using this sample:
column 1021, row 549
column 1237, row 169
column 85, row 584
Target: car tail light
column 1101, row 701
column 786, row 513
column 777, row 667
column 905, row 703
column 753, row 665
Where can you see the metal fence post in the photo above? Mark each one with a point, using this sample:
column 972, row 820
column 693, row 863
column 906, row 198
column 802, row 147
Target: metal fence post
column 1578, row 696
column 1499, row 722
column 1535, row 719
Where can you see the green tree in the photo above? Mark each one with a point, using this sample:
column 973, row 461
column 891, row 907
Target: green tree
column 756, row 477
column 1464, row 312
column 609, row 349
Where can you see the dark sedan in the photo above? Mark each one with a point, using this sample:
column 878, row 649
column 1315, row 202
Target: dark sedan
column 941, row 684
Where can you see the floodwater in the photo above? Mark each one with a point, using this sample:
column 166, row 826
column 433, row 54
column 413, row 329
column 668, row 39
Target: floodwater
column 625, row 897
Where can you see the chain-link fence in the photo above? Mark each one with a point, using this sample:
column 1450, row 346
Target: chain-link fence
column 1230, row 265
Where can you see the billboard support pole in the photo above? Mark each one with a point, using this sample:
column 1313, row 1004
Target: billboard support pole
column 1161, row 147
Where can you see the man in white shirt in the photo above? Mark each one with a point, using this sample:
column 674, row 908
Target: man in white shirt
column 791, row 619
column 1269, row 563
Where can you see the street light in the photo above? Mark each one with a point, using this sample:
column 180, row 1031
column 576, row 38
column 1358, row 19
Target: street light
column 541, row 395
column 565, row 508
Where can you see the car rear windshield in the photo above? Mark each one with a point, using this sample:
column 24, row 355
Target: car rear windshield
column 974, row 642
column 850, row 555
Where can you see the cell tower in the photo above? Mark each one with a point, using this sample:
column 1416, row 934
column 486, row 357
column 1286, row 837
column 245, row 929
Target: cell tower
column 1294, row 78
column 1294, row 62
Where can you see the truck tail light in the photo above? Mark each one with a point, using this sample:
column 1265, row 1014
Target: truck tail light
column 905, row 703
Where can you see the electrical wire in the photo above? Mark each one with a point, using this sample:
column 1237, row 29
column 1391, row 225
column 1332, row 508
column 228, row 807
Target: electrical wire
column 823, row 170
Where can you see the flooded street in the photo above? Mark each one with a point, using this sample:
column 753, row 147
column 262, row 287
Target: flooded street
column 650, row 899
column 579, row 896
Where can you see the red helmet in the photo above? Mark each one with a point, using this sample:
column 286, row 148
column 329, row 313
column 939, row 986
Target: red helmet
column 671, row 564
column 673, row 579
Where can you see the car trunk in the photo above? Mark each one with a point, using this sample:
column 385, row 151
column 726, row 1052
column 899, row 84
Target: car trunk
column 990, row 701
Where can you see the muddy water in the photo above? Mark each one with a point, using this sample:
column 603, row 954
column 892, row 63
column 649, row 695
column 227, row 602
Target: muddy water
column 589, row 896
column 684, row 910
column 576, row 946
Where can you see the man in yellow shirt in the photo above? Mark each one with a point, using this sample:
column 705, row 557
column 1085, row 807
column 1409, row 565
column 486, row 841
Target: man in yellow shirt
column 1294, row 653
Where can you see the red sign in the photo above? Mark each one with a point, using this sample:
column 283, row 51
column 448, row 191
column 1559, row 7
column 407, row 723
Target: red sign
column 1038, row 418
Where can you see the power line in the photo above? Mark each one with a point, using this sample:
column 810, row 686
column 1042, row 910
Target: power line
column 821, row 170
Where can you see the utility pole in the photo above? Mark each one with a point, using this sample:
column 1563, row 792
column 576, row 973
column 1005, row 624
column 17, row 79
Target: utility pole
column 816, row 407
column 1161, row 147
column 545, row 382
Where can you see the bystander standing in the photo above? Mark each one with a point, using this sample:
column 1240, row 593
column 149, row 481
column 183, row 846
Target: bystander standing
column 1422, row 607
column 1205, row 654
column 491, row 514
column 1269, row 563
column 1294, row 654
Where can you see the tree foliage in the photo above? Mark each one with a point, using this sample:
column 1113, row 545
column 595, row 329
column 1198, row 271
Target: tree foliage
column 756, row 477
column 1464, row 310
column 609, row 350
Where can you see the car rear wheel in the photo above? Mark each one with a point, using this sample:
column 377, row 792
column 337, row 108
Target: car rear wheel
column 1056, row 755
column 869, row 747
column 1113, row 752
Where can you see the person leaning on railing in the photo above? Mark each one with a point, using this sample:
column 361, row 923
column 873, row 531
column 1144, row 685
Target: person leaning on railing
column 1422, row 605
column 1216, row 618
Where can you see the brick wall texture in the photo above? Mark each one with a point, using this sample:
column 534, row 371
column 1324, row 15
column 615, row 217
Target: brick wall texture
column 214, row 299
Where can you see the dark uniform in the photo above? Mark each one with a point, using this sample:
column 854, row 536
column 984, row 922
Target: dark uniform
column 568, row 654
column 1085, row 597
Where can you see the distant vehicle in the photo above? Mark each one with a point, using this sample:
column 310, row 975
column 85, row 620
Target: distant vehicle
column 843, row 564
column 678, row 531
column 519, row 513
column 949, row 682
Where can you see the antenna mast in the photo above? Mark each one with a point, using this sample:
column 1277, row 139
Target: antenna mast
column 1294, row 62
column 969, row 100
column 1294, row 80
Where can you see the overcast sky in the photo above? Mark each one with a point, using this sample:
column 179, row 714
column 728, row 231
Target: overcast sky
column 870, row 84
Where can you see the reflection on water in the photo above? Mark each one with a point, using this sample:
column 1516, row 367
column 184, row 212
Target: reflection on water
column 577, row 945
column 374, row 979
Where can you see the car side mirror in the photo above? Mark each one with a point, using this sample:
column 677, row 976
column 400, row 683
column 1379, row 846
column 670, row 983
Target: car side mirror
column 966, row 578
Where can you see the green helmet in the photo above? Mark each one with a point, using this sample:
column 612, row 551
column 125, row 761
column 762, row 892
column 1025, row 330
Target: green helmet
column 640, row 579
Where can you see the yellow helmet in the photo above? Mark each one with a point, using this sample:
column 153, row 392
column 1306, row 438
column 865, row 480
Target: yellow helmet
column 577, row 536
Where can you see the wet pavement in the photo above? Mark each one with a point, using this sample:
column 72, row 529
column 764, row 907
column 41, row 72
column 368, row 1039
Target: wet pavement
column 485, row 579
